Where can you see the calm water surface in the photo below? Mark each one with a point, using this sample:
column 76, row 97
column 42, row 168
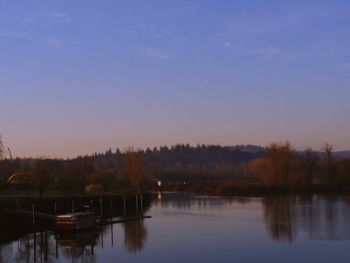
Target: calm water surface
column 186, row 228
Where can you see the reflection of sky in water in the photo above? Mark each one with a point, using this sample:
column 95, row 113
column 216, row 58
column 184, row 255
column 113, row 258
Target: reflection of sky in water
column 185, row 228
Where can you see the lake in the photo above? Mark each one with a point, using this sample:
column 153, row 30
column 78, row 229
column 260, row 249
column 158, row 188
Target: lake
column 190, row 228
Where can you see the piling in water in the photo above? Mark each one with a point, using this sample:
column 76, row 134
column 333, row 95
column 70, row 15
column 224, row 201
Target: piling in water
column 124, row 205
column 141, row 201
column 101, row 207
column 137, row 205
column 33, row 210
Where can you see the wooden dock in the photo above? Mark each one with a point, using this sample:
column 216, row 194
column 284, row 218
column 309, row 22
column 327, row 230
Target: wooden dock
column 50, row 218
column 123, row 220
column 37, row 215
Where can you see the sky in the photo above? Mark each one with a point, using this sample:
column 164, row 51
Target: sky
column 80, row 76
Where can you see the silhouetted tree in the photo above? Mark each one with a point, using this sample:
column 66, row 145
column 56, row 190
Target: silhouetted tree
column 69, row 179
column 85, row 169
column 275, row 168
column 42, row 174
column 329, row 165
column 2, row 152
column 344, row 172
column 2, row 163
column 133, row 169
column 104, row 178
column 309, row 164
column 262, row 168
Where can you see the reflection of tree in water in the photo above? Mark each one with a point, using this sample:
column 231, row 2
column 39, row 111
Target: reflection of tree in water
column 79, row 245
column 135, row 235
column 38, row 247
column 25, row 252
column 41, row 247
column 279, row 218
column 189, row 201
column 5, row 253
column 321, row 217
column 83, row 254
column 329, row 219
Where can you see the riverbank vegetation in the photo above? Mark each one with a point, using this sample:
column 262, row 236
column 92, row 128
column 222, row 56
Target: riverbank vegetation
column 247, row 169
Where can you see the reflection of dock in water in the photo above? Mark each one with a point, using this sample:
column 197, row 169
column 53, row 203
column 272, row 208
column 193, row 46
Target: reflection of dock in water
column 77, row 239
column 123, row 220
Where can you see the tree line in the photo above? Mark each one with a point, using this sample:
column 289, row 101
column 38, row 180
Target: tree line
column 277, row 165
column 284, row 167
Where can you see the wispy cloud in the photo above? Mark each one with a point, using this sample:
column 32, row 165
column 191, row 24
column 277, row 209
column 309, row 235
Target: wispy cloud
column 54, row 42
column 37, row 39
column 263, row 51
column 266, row 52
column 156, row 54
column 283, row 17
column 158, row 32
column 227, row 44
column 258, row 30
column 344, row 67
column 57, row 17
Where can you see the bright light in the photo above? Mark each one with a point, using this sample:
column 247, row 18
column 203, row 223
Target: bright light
column 159, row 183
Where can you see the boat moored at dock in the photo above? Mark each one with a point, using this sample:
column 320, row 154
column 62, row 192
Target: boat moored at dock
column 75, row 221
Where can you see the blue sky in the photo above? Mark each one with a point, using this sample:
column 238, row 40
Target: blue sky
column 80, row 76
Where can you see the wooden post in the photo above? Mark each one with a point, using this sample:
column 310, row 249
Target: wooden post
column 124, row 205
column 141, row 204
column 72, row 206
column 111, row 207
column 137, row 206
column 46, row 247
column 55, row 208
column 112, row 239
column 101, row 207
column 101, row 239
column 33, row 210
column 56, row 246
column 34, row 246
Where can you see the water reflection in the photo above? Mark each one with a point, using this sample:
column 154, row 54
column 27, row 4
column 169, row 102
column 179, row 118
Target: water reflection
column 279, row 217
column 135, row 234
column 321, row 218
column 194, row 202
column 180, row 221
column 37, row 247
column 78, row 245
column 47, row 246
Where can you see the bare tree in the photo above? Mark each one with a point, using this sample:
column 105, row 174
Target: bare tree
column 275, row 168
column 343, row 173
column 42, row 174
column 68, row 178
column 2, row 151
column 329, row 164
column 133, row 168
column 310, row 164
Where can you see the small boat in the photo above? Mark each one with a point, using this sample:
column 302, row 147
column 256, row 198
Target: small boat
column 75, row 221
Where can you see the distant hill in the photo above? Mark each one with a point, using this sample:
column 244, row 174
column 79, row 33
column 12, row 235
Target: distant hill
column 248, row 148
column 342, row 153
